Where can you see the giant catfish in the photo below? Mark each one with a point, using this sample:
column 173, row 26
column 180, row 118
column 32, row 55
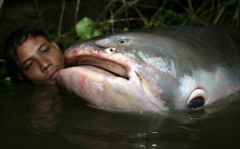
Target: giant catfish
column 160, row 70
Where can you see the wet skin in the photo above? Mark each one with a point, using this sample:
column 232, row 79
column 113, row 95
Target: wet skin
column 39, row 60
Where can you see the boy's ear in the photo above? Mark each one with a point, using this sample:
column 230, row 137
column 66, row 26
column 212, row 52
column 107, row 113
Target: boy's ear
column 20, row 76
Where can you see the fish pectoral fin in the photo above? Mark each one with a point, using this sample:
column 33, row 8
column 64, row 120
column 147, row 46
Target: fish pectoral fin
column 143, row 85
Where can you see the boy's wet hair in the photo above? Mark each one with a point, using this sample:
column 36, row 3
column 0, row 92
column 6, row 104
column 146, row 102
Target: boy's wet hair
column 16, row 39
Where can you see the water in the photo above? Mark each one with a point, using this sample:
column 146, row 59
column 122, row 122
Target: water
column 36, row 117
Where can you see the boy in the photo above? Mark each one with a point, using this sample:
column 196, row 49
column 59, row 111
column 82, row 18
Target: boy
column 31, row 56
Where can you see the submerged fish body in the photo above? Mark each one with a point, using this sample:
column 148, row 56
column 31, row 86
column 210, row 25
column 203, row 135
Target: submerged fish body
column 160, row 70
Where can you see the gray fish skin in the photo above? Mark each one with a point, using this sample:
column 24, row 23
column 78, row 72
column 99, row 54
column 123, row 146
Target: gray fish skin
column 160, row 70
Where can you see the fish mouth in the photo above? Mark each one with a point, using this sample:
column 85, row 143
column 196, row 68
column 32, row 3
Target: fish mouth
column 100, row 65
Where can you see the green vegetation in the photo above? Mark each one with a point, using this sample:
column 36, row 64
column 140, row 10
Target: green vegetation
column 125, row 15
column 84, row 29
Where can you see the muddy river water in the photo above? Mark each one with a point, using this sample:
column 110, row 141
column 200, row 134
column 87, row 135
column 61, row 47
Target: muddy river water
column 37, row 117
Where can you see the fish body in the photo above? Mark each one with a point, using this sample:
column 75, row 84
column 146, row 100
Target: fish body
column 160, row 70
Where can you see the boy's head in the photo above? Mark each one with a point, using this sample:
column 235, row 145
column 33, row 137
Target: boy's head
column 31, row 56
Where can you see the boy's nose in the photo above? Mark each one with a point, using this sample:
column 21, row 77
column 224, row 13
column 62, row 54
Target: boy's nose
column 44, row 64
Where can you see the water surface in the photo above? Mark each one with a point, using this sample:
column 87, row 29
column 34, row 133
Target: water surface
column 37, row 117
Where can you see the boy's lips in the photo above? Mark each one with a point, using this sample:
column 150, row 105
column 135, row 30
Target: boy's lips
column 53, row 74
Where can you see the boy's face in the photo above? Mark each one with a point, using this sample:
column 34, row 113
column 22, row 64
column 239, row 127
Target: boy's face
column 39, row 60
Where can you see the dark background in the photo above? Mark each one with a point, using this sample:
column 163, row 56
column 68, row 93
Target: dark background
column 45, row 14
column 19, row 13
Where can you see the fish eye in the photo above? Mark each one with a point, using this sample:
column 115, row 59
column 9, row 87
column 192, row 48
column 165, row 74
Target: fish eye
column 121, row 41
column 196, row 102
column 197, row 99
